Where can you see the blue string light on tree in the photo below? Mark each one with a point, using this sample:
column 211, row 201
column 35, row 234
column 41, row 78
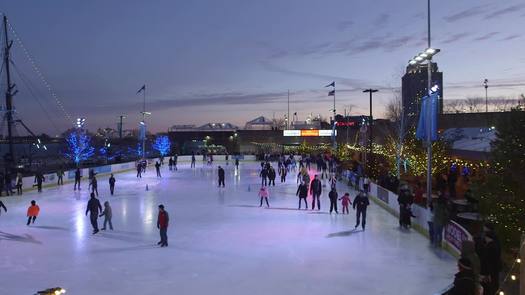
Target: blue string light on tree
column 79, row 146
column 162, row 144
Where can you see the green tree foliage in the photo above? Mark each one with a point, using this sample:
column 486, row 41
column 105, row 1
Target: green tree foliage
column 502, row 191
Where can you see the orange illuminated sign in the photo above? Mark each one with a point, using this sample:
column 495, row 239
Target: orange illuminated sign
column 307, row 132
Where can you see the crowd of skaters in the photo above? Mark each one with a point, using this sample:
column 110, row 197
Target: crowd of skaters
column 325, row 169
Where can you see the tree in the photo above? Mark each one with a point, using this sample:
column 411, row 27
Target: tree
column 502, row 193
column 79, row 146
column 162, row 144
column 414, row 154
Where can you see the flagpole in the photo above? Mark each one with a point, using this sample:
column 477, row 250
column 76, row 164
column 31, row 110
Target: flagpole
column 144, row 121
column 288, row 118
column 429, row 139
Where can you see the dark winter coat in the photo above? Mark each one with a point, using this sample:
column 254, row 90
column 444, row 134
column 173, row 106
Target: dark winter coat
column 271, row 174
column 464, row 284
column 361, row 202
column 264, row 173
column 302, row 191
column 332, row 195
column 77, row 174
column 316, row 186
column 112, row 181
column 93, row 206
column 221, row 173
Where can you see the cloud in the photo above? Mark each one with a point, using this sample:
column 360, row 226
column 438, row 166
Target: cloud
column 456, row 37
column 345, row 81
column 470, row 12
column 382, row 20
column 511, row 37
column 486, row 36
column 345, row 25
column 505, row 11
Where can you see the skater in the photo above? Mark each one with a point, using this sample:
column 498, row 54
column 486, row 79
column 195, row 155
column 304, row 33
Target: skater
column 170, row 164
column 77, row 179
column 39, row 178
column 91, row 174
column 157, row 168
column 237, row 163
column 227, row 157
column 271, row 176
column 332, row 195
column 112, row 184
column 32, row 212
column 361, row 202
column 264, row 194
column 302, row 193
column 94, row 184
column 139, row 170
column 221, row 176
column 2, row 206
column 441, row 217
column 264, row 175
column 8, row 184
column 345, row 202
column 333, row 180
column 315, row 189
column 108, row 214
column 175, row 158
column 192, row 160
column 404, row 200
column 19, row 183
column 93, row 207
column 282, row 173
column 60, row 177
column 163, row 220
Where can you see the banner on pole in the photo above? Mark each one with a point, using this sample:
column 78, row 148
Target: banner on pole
column 429, row 107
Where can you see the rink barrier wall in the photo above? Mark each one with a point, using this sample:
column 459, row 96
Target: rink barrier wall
column 453, row 233
column 28, row 183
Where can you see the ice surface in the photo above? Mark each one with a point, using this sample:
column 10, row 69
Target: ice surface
column 221, row 242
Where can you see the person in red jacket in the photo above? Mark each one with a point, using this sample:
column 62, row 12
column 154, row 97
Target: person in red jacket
column 163, row 220
column 32, row 212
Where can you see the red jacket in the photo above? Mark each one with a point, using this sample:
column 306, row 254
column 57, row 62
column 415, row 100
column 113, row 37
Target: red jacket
column 163, row 219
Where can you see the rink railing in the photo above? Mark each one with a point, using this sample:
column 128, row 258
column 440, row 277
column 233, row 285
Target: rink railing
column 69, row 175
column 453, row 233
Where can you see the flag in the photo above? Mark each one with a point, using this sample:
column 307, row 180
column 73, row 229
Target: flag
column 429, row 107
column 143, row 88
column 331, row 84
column 331, row 93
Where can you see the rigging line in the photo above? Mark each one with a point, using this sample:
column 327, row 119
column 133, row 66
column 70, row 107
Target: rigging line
column 39, row 73
column 27, row 84
column 33, row 89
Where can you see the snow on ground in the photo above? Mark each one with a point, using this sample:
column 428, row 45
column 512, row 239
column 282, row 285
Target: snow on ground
column 221, row 242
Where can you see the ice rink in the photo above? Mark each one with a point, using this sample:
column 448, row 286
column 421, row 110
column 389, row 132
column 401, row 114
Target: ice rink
column 221, row 242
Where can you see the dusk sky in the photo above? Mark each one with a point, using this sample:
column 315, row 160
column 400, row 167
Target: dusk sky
column 233, row 60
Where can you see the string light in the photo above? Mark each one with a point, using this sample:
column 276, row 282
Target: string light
column 40, row 75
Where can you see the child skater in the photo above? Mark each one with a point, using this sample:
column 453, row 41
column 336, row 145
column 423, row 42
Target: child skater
column 346, row 201
column 32, row 212
column 264, row 194
column 107, row 216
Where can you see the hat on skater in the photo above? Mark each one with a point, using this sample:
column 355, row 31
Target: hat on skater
column 161, row 206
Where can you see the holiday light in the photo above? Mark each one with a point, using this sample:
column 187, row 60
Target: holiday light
column 162, row 144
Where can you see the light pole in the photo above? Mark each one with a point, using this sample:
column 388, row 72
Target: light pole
column 486, row 85
column 370, row 139
column 288, row 116
column 417, row 60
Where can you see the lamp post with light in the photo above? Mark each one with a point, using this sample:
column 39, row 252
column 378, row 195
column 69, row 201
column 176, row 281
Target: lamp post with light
column 416, row 61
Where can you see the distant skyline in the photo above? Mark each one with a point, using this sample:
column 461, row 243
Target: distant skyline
column 234, row 60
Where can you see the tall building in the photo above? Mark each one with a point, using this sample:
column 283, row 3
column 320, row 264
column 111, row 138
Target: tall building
column 414, row 87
